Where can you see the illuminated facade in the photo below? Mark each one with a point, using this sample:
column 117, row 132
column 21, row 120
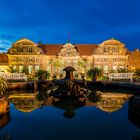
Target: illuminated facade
column 59, row 56
column 110, row 55
column 25, row 55
column 134, row 59
column 4, row 63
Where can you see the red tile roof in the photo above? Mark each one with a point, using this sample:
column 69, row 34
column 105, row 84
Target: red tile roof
column 54, row 49
column 51, row 49
column 3, row 59
column 86, row 49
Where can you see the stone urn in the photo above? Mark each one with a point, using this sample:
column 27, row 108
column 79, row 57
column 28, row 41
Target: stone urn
column 4, row 106
column 69, row 73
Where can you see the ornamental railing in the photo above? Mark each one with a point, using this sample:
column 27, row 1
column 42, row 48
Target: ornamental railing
column 14, row 76
column 121, row 76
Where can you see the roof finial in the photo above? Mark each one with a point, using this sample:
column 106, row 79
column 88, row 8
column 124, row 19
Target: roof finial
column 68, row 37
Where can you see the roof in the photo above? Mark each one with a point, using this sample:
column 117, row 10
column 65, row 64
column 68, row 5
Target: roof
column 86, row 49
column 112, row 41
column 3, row 59
column 135, row 52
column 51, row 49
column 24, row 40
column 54, row 49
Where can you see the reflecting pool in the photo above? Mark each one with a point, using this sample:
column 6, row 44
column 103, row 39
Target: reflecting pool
column 111, row 116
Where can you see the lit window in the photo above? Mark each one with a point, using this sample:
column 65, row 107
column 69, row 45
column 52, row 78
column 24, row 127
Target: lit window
column 105, row 59
column 98, row 59
column 20, row 68
column 114, row 68
column 105, row 69
column 36, row 68
column 121, row 67
column 14, row 68
column 30, row 68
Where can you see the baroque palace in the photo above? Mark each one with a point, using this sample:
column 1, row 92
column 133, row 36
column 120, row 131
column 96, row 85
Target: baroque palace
column 110, row 55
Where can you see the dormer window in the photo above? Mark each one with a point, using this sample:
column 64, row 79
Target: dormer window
column 30, row 49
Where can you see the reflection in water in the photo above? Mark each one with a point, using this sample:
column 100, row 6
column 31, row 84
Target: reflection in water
column 112, row 102
column 5, row 136
column 136, row 136
column 68, row 104
column 134, row 110
column 4, row 112
column 4, row 120
column 89, row 119
column 25, row 102
column 108, row 102
column 4, row 106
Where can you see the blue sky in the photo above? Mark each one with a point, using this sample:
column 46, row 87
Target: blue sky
column 87, row 21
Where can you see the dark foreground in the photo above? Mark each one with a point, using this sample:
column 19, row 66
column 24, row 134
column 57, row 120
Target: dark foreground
column 114, row 117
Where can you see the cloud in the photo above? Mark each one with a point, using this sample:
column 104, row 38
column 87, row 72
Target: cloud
column 4, row 44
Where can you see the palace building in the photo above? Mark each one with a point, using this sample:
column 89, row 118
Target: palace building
column 4, row 63
column 134, row 59
column 25, row 55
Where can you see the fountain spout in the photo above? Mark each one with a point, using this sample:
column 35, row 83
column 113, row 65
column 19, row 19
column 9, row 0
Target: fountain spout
column 69, row 73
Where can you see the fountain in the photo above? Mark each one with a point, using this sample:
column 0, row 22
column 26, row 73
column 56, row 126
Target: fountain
column 68, row 86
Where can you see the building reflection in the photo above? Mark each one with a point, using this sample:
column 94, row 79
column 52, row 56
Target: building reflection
column 4, row 112
column 134, row 110
column 4, row 119
column 25, row 102
column 109, row 102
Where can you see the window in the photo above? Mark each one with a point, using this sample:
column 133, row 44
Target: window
column 105, row 59
column 48, row 68
column 30, row 69
column 30, row 49
column 115, row 50
column 114, row 68
column 98, row 59
column 36, row 68
column 75, row 62
column 68, row 62
column 121, row 67
column 37, row 60
column 106, row 50
column 14, row 59
column 115, row 59
column 105, row 69
column 20, row 68
column 14, row 68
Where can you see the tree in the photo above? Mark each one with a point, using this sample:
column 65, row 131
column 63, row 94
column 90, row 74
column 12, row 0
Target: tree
column 42, row 74
column 122, row 70
column 3, row 85
column 25, row 70
column 137, row 74
column 57, row 65
column 83, row 63
column 95, row 96
column 94, row 73
column 51, row 64
column 11, row 69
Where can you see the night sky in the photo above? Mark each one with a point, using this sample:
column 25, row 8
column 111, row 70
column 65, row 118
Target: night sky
column 87, row 21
